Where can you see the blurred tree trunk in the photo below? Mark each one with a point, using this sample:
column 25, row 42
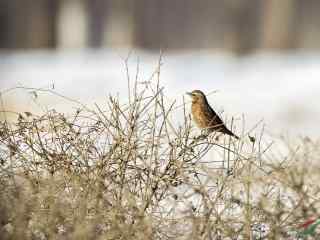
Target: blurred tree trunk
column 241, row 32
column 97, row 14
column 278, row 24
column 29, row 23
column 308, row 24
column 4, row 24
column 53, row 7
column 72, row 24
column 203, row 24
column 148, row 16
column 118, row 24
column 174, row 24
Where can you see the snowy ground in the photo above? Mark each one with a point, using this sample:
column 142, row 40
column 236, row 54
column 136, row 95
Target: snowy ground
column 281, row 89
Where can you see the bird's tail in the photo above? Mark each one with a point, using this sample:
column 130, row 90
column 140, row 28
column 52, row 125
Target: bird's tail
column 227, row 131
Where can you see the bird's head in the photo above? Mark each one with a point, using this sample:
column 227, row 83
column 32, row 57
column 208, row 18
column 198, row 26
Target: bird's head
column 197, row 96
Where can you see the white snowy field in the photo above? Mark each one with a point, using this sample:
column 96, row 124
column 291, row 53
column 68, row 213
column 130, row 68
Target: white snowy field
column 282, row 89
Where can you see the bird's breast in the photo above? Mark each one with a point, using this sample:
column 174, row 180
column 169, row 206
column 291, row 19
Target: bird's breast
column 199, row 115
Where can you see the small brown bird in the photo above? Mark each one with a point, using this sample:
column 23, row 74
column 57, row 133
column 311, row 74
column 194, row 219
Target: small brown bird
column 204, row 116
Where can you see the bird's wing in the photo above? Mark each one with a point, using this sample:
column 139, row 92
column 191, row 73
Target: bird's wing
column 217, row 124
column 215, row 120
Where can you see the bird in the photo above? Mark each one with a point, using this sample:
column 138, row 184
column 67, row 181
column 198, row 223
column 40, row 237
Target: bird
column 205, row 117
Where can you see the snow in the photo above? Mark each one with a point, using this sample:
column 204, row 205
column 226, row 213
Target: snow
column 280, row 88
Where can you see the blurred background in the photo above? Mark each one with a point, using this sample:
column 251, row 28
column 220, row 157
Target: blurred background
column 240, row 26
column 262, row 56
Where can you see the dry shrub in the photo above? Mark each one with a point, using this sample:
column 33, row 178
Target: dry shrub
column 126, row 171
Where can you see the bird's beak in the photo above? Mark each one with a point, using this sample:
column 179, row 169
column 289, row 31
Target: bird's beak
column 189, row 93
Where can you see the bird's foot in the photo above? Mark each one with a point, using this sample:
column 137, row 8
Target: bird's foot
column 217, row 137
column 202, row 136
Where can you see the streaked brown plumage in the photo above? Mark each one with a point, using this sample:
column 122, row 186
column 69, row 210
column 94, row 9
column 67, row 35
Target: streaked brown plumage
column 204, row 116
